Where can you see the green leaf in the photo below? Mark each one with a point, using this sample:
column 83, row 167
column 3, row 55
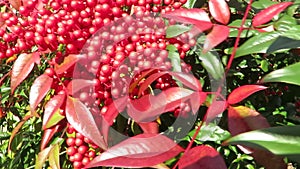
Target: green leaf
column 42, row 157
column 212, row 64
column 293, row 33
column 285, row 23
column 54, row 157
column 264, row 65
column 175, row 30
column 283, row 43
column 174, row 57
column 190, row 4
column 279, row 140
column 289, row 74
column 257, row 44
column 245, row 33
column 262, row 4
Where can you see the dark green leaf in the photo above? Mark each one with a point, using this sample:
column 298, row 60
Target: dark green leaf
column 289, row 74
column 283, row 43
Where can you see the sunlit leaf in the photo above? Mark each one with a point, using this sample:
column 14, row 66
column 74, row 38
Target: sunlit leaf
column 21, row 68
column 139, row 151
column 219, row 10
column 113, row 109
column 218, row 34
column 48, row 134
column 267, row 14
column 216, row 108
column 76, row 85
column 242, row 119
column 289, row 74
column 42, row 157
column 51, row 114
column 202, row 156
column 68, row 62
column 38, row 90
column 284, row 140
column 150, row 127
column 190, row 4
column 257, row 44
column 54, row 157
column 195, row 16
column 242, row 92
column 149, row 107
column 80, row 117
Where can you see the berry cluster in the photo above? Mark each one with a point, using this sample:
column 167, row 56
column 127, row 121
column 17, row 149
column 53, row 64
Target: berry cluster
column 80, row 149
column 55, row 24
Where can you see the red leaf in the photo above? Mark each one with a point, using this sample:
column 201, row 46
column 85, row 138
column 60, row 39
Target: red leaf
column 267, row 14
column 242, row 119
column 218, row 34
column 150, row 127
column 202, row 156
column 48, row 134
column 216, row 108
column 149, row 81
column 195, row 16
column 143, row 150
column 38, row 90
column 149, row 107
column 141, row 77
column 240, row 93
column 219, row 10
column 68, row 62
column 15, row 3
column 21, row 68
column 51, row 113
column 80, row 117
column 77, row 84
column 114, row 109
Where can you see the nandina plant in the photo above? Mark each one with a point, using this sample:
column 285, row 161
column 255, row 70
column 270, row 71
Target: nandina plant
column 149, row 83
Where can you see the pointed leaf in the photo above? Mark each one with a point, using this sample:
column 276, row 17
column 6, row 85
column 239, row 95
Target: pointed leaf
column 283, row 43
column 139, row 151
column 217, row 107
column 149, row 80
column 48, row 134
column 21, row 68
column 218, row 34
column 267, row 14
column 149, row 107
column 38, row 90
column 114, row 109
column 80, row 117
column 68, row 62
column 54, row 157
column 51, row 114
column 242, row 92
column 15, row 3
column 289, row 74
column 242, row 119
column 284, row 140
column 195, row 16
column 16, row 129
column 141, row 77
column 175, row 30
column 212, row 64
column 219, row 10
column 202, row 156
column 257, row 44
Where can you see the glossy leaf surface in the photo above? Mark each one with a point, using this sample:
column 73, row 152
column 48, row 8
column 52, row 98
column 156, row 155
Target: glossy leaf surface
column 67, row 63
column 242, row 92
column 51, row 114
column 267, row 14
column 139, row 151
column 21, row 68
column 202, row 156
column 212, row 64
column 38, row 90
column 289, row 74
column 219, row 10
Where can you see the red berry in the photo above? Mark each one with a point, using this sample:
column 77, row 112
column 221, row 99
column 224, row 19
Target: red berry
column 71, row 151
column 82, row 149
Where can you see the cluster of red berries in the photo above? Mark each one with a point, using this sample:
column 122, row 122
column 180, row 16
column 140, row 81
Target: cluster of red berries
column 278, row 91
column 56, row 24
column 80, row 149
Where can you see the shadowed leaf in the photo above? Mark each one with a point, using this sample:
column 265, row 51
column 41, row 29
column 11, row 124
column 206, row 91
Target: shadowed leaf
column 218, row 34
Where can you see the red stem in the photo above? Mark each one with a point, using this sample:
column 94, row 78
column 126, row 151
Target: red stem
column 241, row 28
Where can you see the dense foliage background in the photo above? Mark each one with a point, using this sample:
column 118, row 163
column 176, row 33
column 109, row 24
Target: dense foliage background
column 62, row 62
